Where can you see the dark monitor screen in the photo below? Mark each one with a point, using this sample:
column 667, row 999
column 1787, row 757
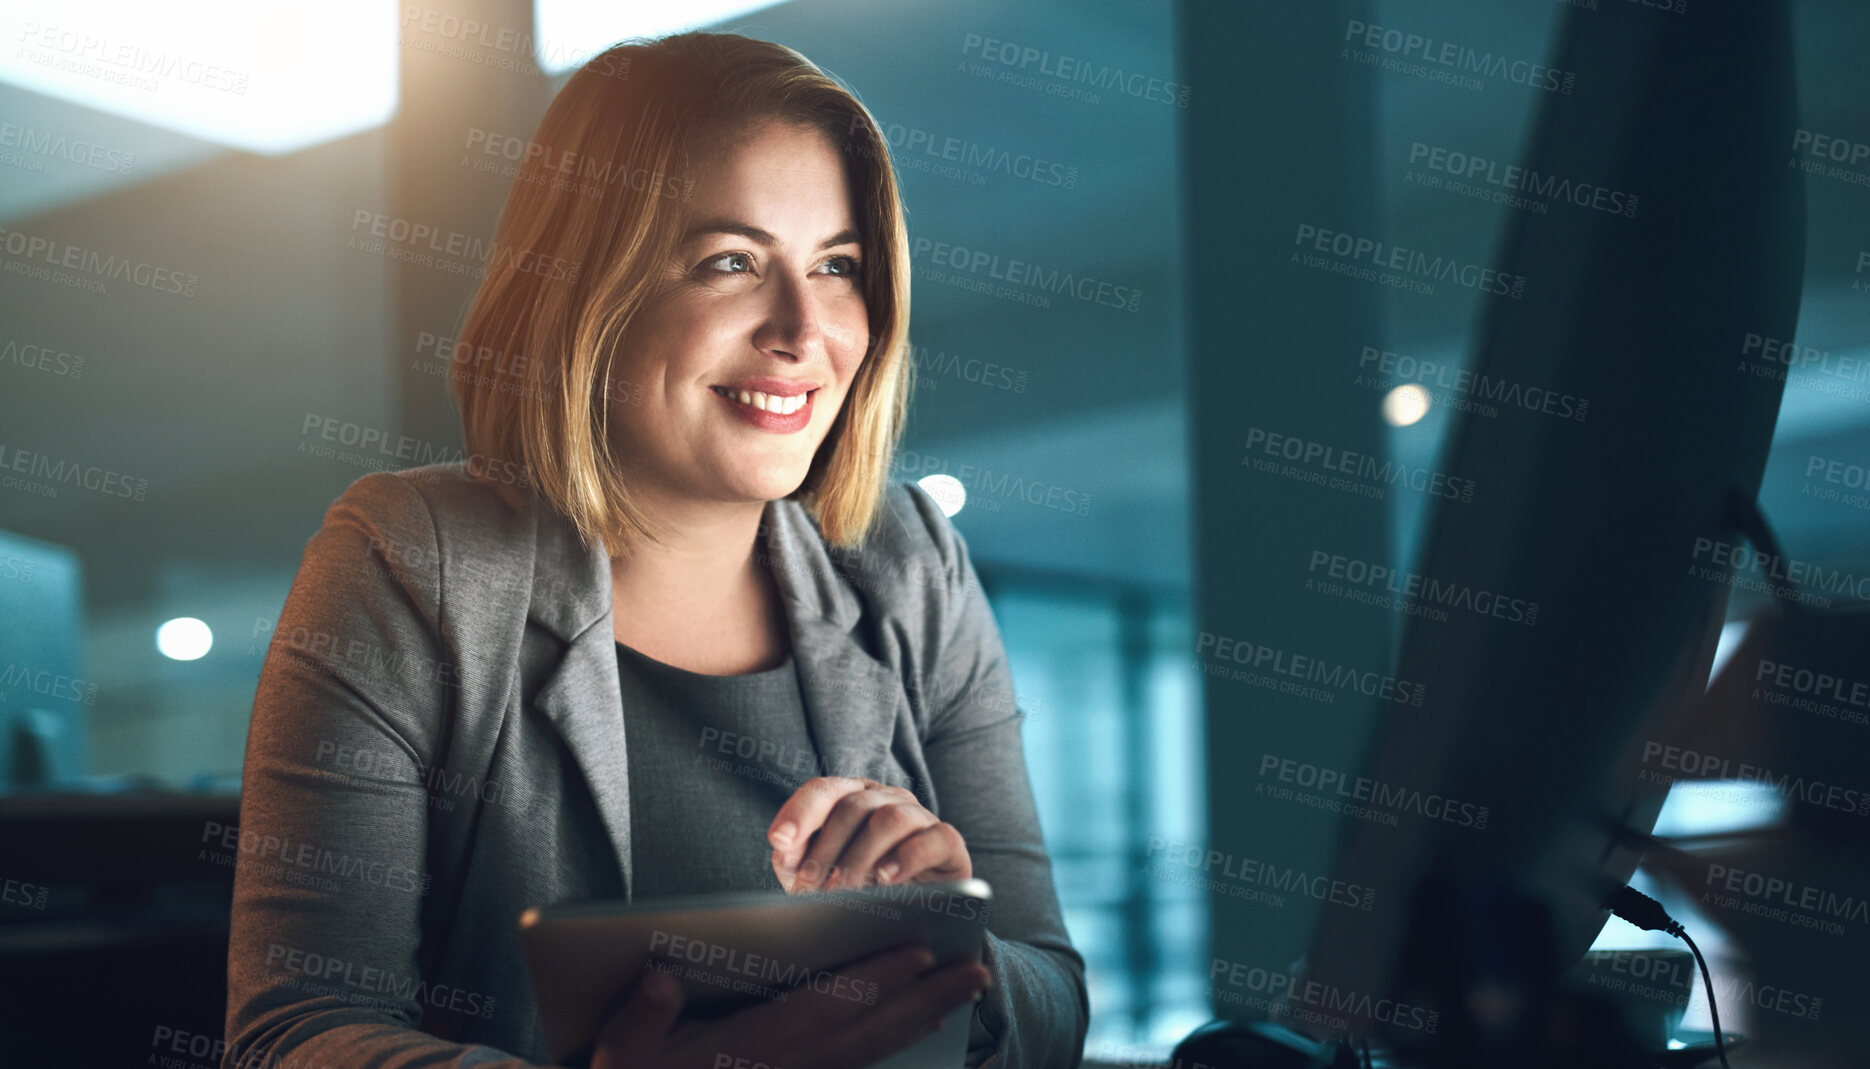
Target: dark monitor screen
column 1578, row 597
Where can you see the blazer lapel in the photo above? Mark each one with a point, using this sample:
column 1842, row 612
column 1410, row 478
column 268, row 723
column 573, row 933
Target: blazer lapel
column 585, row 699
column 582, row 695
column 851, row 699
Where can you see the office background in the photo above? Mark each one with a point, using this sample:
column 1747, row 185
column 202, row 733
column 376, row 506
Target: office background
column 1079, row 427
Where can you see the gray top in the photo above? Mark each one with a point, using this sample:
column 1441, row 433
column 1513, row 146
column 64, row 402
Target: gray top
column 712, row 758
column 436, row 747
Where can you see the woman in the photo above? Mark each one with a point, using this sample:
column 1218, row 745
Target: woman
column 668, row 629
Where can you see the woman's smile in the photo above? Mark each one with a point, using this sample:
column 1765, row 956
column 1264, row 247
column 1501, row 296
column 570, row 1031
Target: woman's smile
column 780, row 414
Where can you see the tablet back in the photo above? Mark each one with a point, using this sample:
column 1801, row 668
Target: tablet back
column 730, row 951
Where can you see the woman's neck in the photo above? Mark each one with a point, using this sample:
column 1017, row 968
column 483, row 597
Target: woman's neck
column 702, row 599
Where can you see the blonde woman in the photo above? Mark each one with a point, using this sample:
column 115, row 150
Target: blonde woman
column 668, row 629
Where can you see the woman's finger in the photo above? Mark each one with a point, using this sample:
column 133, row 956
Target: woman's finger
column 804, row 812
column 936, row 852
column 900, row 1021
column 888, row 825
column 841, row 826
column 641, row 1023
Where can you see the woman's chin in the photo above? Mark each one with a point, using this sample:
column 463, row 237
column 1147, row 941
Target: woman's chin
column 770, row 485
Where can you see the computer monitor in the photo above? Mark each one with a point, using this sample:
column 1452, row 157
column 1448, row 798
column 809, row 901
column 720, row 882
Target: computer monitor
column 1577, row 604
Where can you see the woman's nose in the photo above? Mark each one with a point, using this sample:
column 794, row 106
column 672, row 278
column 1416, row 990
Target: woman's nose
column 794, row 321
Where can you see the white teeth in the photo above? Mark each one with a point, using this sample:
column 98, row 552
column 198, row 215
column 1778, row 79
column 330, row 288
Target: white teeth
column 781, row 406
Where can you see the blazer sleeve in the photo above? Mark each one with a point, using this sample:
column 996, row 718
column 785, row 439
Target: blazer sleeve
column 331, row 881
column 1037, row 1012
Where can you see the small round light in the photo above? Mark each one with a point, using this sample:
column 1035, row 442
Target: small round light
column 184, row 639
column 946, row 490
column 1405, row 405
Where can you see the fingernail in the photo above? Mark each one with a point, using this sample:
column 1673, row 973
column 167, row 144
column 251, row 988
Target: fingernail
column 978, row 992
column 782, row 835
column 659, row 988
column 888, row 872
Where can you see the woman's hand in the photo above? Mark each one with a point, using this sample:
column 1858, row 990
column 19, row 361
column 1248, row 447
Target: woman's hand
column 842, row 831
column 822, row 1029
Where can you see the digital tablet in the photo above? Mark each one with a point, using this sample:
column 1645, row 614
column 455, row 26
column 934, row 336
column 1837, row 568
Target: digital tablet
column 732, row 950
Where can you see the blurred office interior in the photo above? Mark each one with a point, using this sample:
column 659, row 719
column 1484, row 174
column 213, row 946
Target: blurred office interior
column 1087, row 435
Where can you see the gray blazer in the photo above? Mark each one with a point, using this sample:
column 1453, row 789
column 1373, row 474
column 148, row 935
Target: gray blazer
column 437, row 744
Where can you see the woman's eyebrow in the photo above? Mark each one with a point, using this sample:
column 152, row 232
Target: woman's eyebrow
column 847, row 236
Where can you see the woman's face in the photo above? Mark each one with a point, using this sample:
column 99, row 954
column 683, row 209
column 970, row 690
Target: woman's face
column 765, row 299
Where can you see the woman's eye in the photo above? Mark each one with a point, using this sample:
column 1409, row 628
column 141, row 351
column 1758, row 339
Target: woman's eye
column 846, row 265
column 733, row 263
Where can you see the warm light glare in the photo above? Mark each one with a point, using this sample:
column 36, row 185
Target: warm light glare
column 265, row 77
column 184, row 639
column 946, row 490
column 568, row 32
column 1405, row 405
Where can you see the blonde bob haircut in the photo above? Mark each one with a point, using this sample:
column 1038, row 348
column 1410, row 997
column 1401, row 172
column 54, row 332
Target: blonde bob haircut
column 585, row 240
